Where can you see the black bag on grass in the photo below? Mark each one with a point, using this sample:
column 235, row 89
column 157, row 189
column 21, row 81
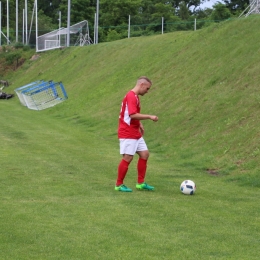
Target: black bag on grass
column 5, row 95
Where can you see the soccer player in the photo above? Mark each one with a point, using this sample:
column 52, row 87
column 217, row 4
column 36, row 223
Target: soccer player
column 130, row 135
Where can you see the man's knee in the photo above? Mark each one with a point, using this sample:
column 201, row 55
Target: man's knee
column 144, row 154
column 128, row 157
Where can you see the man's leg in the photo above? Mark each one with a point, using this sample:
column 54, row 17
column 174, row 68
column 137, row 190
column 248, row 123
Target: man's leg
column 123, row 168
column 122, row 171
column 141, row 169
column 142, row 165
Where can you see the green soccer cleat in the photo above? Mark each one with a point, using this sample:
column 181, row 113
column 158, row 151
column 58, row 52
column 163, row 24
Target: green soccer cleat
column 144, row 186
column 123, row 188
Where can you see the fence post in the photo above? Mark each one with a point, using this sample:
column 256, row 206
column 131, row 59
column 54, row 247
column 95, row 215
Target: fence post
column 26, row 22
column 36, row 24
column 23, row 28
column 95, row 24
column 7, row 22
column 162, row 24
column 16, row 21
column 68, row 24
column 0, row 23
column 129, row 26
column 195, row 26
column 97, row 21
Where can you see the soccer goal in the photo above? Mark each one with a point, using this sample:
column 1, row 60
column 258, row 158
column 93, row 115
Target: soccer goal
column 19, row 90
column 43, row 95
column 58, row 38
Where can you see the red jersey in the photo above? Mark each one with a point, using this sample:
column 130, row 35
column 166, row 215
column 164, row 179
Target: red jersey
column 129, row 128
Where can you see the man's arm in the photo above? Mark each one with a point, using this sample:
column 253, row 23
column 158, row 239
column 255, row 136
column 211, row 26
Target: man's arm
column 138, row 116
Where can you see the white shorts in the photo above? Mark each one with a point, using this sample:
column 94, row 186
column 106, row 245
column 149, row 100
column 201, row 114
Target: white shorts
column 131, row 146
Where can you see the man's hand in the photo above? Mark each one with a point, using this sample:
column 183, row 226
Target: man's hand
column 138, row 116
column 154, row 118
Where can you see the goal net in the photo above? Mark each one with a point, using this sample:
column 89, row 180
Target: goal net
column 19, row 91
column 40, row 95
column 79, row 35
column 50, row 44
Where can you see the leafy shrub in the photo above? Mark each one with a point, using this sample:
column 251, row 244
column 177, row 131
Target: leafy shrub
column 113, row 35
column 11, row 57
column 18, row 45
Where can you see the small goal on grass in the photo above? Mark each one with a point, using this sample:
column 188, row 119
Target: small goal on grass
column 40, row 95
column 18, row 91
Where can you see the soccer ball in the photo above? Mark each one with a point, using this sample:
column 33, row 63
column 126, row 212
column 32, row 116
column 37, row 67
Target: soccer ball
column 188, row 187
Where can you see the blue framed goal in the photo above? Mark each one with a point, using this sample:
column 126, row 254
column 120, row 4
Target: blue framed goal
column 41, row 94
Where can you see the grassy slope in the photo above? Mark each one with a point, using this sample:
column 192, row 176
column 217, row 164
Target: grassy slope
column 205, row 91
column 59, row 164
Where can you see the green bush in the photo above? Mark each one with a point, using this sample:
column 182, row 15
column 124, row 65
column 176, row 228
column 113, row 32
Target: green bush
column 11, row 57
column 18, row 45
column 113, row 35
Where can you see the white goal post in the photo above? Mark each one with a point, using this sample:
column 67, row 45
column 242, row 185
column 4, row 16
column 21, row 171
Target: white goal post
column 58, row 38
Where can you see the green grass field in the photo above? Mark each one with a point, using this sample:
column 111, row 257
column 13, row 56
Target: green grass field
column 59, row 165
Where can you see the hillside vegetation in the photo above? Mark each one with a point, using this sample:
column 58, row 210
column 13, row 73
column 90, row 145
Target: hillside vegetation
column 59, row 165
column 205, row 92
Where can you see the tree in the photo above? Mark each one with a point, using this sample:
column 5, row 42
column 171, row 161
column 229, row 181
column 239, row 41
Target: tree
column 188, row 3
column 160, row 10
column 146, row 15
column 80, row 10
column 113, row 35
column 203, row 13
column 11, row 13
column 114, row 13
column 220, row 12
column 236, row 6
column 183, row 11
